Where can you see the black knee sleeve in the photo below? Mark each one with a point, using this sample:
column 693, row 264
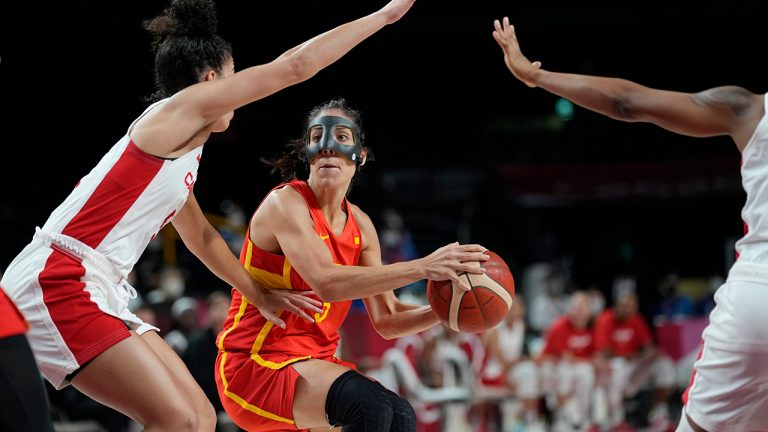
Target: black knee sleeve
column 358, row 403
column 403, row 416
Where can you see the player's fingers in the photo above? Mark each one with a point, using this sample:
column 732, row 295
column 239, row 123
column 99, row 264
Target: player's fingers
column 274, row 319
column 474, row 256
column 303, row 303
column 473, row 248
column 536, row 64
column 506, row 25
column 300, row 312
column 303, row 298
column 469, row 268
column 497, row 25
column 459, row 283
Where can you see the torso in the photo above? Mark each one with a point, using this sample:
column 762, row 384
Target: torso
column 125, row 200
column 247, row 330
column 753, row 246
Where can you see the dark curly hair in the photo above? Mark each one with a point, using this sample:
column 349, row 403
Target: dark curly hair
column 185, row 45
column 292, row 164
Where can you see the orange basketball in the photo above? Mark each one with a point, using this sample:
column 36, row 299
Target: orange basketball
column 481, row 308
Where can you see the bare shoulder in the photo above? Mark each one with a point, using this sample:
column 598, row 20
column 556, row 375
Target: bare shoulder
column 361, row 217
column 281, row 202
column 739, row 100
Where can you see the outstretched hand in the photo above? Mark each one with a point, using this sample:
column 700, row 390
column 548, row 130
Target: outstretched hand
column 293, row 301
column 518, row 64
column 451, row 260
column 395, row 9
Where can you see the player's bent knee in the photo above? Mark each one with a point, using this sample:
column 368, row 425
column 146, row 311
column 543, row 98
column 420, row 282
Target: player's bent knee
column 403, row 415
column 358, row 402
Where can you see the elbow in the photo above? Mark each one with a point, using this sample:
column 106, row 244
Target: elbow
column 302, row 67
column 323, row 288
column 623, row 107
column 387, row 332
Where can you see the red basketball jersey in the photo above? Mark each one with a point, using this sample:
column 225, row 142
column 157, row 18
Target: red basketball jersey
column 246, row 330
column 624, row 338
column 563, row 338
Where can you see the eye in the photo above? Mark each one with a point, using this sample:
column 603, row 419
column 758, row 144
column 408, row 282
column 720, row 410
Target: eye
column 343, row 135
column 315, row 137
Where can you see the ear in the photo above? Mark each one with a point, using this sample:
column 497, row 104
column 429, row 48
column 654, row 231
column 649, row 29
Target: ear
column 210, row 76
column 363, row 156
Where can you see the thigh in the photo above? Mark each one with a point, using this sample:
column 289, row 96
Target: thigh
column 131, row 378
column 178, row 369
column 315, row 379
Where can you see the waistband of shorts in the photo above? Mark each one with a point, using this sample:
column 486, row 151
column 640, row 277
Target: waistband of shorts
column 744, row 270
column 82, row 251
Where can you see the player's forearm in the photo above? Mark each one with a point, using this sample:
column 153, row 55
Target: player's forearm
column 215, row 253
column 352, row 282
column 315, row 54
column 608, row 96
column 407, row 321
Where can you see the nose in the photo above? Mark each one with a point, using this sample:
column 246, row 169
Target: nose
column 327, row 152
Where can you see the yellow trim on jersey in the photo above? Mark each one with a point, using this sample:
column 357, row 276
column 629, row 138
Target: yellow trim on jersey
column 248, row 255
column 257, row 346
column 325, row 237
column 268, row 279
column 357, row 240
column 286, row 272
column 326, row 308
column 238, row 316
column 242, row 402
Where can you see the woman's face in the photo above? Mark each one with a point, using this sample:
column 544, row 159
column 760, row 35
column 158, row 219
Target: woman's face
column 330, row 167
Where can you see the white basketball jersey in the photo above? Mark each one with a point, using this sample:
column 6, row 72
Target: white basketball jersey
column 125, row 200
column 753, row 246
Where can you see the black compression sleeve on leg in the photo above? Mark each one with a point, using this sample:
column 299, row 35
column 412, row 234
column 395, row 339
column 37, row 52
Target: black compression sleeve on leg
column 403, row 416
column 23, row 399
column 357, row 403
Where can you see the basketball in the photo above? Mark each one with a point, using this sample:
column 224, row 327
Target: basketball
column 481, row 308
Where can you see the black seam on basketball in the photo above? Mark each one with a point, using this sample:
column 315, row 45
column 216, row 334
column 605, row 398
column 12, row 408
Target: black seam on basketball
column 469, row 282
column 477, row 302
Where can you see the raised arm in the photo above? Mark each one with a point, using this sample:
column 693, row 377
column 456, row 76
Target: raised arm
column 285, row 216
column 726, row 110
column 197, row 106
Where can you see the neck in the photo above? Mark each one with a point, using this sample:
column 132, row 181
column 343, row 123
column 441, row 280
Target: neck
column 329, row 198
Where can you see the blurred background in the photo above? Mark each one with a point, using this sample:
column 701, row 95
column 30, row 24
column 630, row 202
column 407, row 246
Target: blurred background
column 463, row 150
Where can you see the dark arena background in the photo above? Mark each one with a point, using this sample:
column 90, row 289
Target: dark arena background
column 572, row 200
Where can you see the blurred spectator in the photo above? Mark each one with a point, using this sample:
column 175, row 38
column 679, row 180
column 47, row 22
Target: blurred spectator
column 596, row 301
column 549, row 300
column 508, row 363
column 397, row 245
column 674, row 303
column 170, row 284
column 200, row 355
column 629, row 360
column 707, row 303
column 233, row 226
column 184, row 322
column 146, row 313
column 567, row 364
